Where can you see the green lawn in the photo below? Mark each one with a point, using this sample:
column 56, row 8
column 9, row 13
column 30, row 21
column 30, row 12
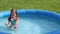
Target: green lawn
column 51, row 5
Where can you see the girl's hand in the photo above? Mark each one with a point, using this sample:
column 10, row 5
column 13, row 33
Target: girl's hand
column 15, row 25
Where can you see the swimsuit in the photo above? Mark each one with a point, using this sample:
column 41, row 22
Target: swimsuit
column 13, row 22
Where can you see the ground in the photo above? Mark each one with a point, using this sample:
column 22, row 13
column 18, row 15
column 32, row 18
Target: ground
column 51, row 5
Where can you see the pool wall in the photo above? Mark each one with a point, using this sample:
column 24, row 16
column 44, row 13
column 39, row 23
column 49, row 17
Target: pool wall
column 40, row 12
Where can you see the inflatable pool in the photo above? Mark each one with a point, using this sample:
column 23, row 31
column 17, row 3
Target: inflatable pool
column 32, row 22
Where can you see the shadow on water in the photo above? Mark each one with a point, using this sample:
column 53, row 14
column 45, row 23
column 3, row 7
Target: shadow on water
column 39, row 18
column 4, row 28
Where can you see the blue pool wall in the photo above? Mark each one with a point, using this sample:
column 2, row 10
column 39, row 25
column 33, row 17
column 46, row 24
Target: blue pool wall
column 40, row 12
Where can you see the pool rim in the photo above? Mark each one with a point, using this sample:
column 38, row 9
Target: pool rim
column 30, row 11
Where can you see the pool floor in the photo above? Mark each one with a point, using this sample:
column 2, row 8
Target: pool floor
column 31, row 24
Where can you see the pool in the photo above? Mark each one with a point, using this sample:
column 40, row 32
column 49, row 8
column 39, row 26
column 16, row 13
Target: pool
column 32, row 22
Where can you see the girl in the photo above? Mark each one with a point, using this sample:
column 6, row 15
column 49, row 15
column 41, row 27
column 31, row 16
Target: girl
column 13, row 19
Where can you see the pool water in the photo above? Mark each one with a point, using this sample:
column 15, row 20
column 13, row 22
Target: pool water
column 31, row 24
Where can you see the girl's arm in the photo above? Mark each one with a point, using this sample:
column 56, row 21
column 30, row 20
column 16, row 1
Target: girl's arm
column 16, row 23
column 9, row 23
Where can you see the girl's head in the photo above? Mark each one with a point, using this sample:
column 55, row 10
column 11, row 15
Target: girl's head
column 13, row 13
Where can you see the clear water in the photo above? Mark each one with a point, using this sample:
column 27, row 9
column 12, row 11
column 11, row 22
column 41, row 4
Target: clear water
column 31, row 24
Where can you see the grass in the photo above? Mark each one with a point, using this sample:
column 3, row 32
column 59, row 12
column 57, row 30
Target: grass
column 51, row 5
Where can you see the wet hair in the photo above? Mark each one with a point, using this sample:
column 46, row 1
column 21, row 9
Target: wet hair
column 9, row 19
